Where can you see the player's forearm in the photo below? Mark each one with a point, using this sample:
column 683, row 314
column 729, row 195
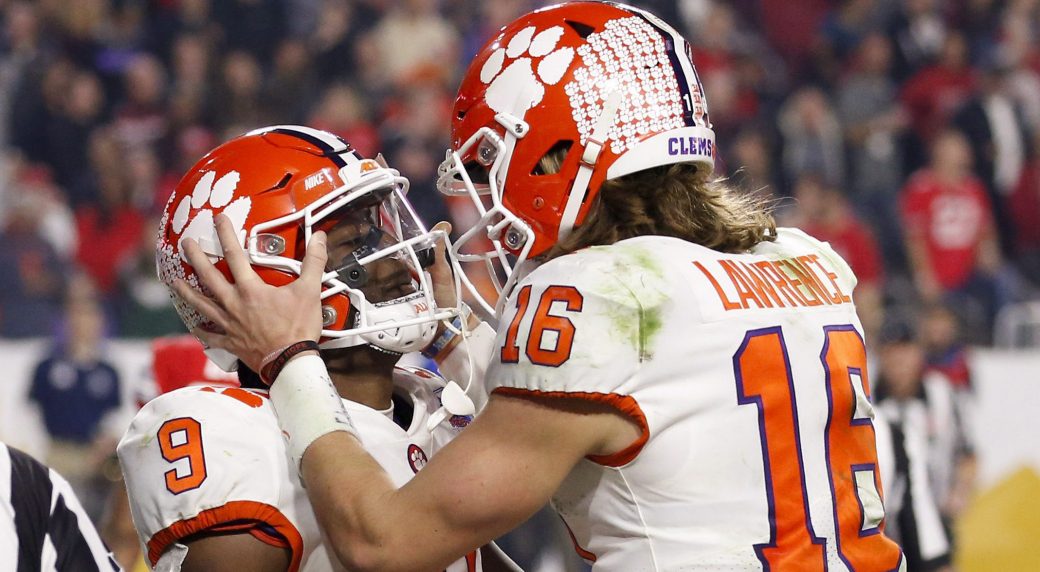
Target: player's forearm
column 368, row 523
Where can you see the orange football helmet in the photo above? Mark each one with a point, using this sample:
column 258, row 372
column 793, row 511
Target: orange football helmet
column 279, row 185
column 610, row 85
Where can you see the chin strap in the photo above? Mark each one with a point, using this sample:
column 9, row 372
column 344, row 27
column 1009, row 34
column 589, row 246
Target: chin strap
column 454, row 401
column 589, row 157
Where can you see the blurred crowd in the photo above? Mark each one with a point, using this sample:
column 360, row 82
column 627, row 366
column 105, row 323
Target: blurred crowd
column 904, row 132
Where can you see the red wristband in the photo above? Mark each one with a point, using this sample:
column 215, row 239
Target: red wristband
column 271, row 367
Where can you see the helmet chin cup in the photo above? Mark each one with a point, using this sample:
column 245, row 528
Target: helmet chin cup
column 404, row 338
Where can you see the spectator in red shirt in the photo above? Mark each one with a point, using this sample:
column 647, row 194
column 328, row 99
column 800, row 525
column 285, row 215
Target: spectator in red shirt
column 933, row 95
column 109, row 230
column 949, row 233
column 824, row 212
column 141, row 118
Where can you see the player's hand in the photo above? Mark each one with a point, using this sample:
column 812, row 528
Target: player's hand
column 444, row 291
column 254, row 319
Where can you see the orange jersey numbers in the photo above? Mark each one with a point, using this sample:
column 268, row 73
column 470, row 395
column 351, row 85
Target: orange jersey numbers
column 182, row 439
column 511, row 351
column 760, row 363
column 851, row 454
column 541, row 349
column 763, row 374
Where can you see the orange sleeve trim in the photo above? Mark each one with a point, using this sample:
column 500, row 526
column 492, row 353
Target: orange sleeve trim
column 227, row 513
column 626, row 404
column 232, row 527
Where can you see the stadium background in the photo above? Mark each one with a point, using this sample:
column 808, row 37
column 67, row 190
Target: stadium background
column 840, row 112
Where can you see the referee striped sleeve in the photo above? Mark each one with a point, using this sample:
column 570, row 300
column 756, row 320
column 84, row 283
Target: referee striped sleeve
column 50, row 528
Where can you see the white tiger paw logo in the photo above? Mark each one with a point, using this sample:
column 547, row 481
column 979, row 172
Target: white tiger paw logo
column 214, row 194
column 521, row 85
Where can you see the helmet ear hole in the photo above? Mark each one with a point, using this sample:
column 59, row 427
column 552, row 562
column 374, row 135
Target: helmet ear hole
column 551, row 162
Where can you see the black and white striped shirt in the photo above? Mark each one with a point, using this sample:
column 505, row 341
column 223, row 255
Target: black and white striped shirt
column 42, row 525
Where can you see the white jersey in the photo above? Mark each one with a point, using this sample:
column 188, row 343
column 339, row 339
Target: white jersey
column 212, row 458
column 747, row 376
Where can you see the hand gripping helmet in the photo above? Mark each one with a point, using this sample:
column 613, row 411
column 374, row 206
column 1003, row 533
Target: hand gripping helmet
column 279, row 185
column 610, row 88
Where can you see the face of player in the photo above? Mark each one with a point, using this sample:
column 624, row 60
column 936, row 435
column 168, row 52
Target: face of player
column 357, row 234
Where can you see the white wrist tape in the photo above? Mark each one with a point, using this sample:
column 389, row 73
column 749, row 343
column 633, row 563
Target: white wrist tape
column 307, row 405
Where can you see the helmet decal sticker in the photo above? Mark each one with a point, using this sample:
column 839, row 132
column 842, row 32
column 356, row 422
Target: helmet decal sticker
column 545, row 41
column 277, row 186
column 214, row 194
column 651, row 99
column 416, row 457
column 519, row 88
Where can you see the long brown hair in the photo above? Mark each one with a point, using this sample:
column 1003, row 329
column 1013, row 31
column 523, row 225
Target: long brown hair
column 672, row 200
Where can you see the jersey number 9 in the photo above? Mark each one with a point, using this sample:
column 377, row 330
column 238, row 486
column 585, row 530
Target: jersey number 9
column 181, row 439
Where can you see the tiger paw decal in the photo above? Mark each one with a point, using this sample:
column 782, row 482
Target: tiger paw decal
column 192, row 218
column 519, row 72
column 213, row 194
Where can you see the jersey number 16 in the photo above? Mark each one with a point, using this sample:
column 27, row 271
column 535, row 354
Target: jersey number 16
column 762, row 366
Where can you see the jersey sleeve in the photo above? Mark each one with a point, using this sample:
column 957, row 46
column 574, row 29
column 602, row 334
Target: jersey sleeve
column 574, row 326
column 579, row 328
column 823, row 260
column 202, row 459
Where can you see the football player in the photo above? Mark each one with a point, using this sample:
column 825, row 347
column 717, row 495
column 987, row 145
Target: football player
column 685, row 382
column 177, row 361
column 206, row 467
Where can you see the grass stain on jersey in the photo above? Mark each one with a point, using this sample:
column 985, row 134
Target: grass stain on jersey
column 649, row 325
column 635, row 282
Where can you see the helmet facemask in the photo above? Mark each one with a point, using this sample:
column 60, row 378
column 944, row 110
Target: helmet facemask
column 496, row 238
column 279, row 185
column 390, row 303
